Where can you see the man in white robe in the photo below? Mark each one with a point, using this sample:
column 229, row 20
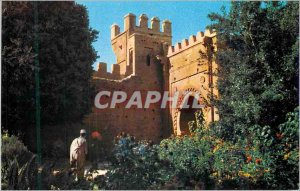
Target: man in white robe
column 78, row 152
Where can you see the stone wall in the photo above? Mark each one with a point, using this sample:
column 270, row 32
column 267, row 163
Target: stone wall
column 141, row 66
column 142, row 123
column 193, row 69
column 146, row 61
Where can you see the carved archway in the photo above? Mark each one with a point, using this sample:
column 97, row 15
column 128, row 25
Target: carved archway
column 183, row 115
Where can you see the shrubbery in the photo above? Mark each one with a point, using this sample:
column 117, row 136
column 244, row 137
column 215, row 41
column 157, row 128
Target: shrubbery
column 263, row 159
column 136, row 165
column 18, row 165
column 20, row 170
column 192, row 155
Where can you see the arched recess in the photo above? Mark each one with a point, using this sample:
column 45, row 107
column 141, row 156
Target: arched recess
column 183, row 115
column 186, row 115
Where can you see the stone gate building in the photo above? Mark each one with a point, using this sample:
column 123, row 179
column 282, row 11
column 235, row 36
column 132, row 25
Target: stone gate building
column 146, row 60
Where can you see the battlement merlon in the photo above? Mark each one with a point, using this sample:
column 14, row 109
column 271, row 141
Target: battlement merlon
column 130, row 26
column 193, row 40
column 114, row 31
column 115, row 69
column 155, row 24
column 102, row 67
column 143, row 21
column 167, row 26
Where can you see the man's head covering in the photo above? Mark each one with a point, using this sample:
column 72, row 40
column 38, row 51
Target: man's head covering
column 82, row 131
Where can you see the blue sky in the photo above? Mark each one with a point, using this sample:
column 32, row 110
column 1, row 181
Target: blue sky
column 187, row 18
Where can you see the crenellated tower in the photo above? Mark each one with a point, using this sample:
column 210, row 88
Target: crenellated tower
column 147, row 61
column 142, row 65
column 137, row 47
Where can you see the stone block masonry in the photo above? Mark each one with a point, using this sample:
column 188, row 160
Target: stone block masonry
column 147, row 61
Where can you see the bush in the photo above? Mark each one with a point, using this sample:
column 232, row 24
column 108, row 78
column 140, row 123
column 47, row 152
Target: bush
column 136, row 165
column 18, row 164
column 264, row 158
column 281, row 147
column 191, row 155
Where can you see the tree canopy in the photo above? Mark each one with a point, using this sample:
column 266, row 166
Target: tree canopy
column 65, row 55
column 258, row 59
column 258, row 65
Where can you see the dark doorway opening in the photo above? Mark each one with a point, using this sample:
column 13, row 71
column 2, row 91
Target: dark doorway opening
column 187, row 115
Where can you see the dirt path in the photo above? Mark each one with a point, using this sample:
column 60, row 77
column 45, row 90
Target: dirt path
column 101, row 169
column 91, row 170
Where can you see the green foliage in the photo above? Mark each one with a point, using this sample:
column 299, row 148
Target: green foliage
column 258, row 65
column 241, row 166
column 282, row 148
column 264, row 160
column 136, row 165
column 202, row 160
column 191, row 155
column 254, row 145
column 18, row 167
column 11, row 148
column 258, row 83
column 65, row 55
